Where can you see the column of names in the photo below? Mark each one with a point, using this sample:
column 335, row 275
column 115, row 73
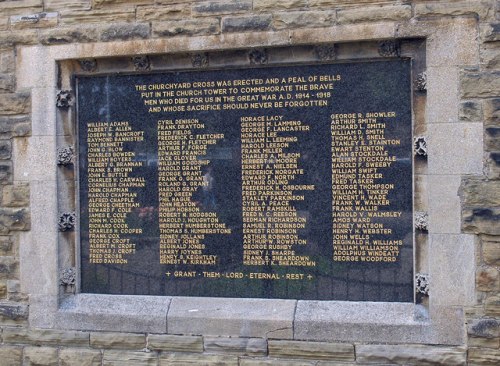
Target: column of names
column 360, row 160
column 183, row 224
column 110, row 195
column 271, row 223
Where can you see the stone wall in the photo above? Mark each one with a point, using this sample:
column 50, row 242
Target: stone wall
column 481, row 197
column 57, row 22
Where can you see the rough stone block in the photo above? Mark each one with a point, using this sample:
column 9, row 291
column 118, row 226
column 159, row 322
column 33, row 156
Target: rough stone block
column 9, row 267
column 480, row 192
column 126, row 31
column 6, row 245
column 103, row 3
column 476, row 311
column 22, row 4
column 490, row 58
column 411, row 355
column 277, row 362
column 163, row 2
column 491, row 253
column 374, row 14
column 492, row 306
column 7, row 83
column 344, row 33
column 470, row 111
column 56, row 5
column 482, row 8
column 246, row 24
column 9, row 286
column 46, row 337
column 18, row 297
column 231, row 317
column 266, row 5
column 175, row 343
column 3, row 290
column 13, row 314
column 126, row 358
column 11, row 356
column 491, row 109
column 188, row 27
column 221, row 7
column 240, row 346
column 15, row 126
column 79, row 357
column 165, row 12
column 16, row 195
column 487, row 328
column 481, row 220
column 184, row 359
column 490, row 32
column 493, row 165
column 5, row 174
column 326, row 3
column 7, row 61
column 75, row 34
column 14, row 219
column 10, row 39
column 74, row 17
column 13, row 286
column 40, row 356
column 300, row 19
column 480, row 84
column 15, row 103
column 492, row 138
column 37, row 20
column 117, row 340
column 483, row 357
column 5, row 149
column 311, row 350
column 484, row 342
column 487, row 279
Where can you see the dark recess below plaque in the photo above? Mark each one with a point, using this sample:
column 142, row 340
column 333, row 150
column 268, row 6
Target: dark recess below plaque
column 364, row 87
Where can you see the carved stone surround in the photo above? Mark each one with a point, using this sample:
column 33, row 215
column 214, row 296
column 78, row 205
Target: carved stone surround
column 449, row 251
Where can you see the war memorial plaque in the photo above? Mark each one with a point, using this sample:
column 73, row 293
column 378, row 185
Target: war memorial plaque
column 290, row 182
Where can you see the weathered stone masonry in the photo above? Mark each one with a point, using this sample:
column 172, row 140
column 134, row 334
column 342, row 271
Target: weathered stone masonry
column 462, row 113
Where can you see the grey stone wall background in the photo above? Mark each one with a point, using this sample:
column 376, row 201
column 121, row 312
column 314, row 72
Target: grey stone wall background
column 51, row 22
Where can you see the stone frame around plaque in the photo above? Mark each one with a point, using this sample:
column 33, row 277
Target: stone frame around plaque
column 433, row 319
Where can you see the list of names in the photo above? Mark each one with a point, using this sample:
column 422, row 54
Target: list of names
column 185, row 222
column 271, row 223
column 111, row 186
column 360, row 203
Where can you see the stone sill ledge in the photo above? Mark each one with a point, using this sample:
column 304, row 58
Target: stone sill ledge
column 265, row 318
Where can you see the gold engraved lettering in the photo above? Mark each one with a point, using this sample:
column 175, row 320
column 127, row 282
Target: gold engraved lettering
column 270, row 222
column 182, row 170
column 359, row 160
column 110, row 198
